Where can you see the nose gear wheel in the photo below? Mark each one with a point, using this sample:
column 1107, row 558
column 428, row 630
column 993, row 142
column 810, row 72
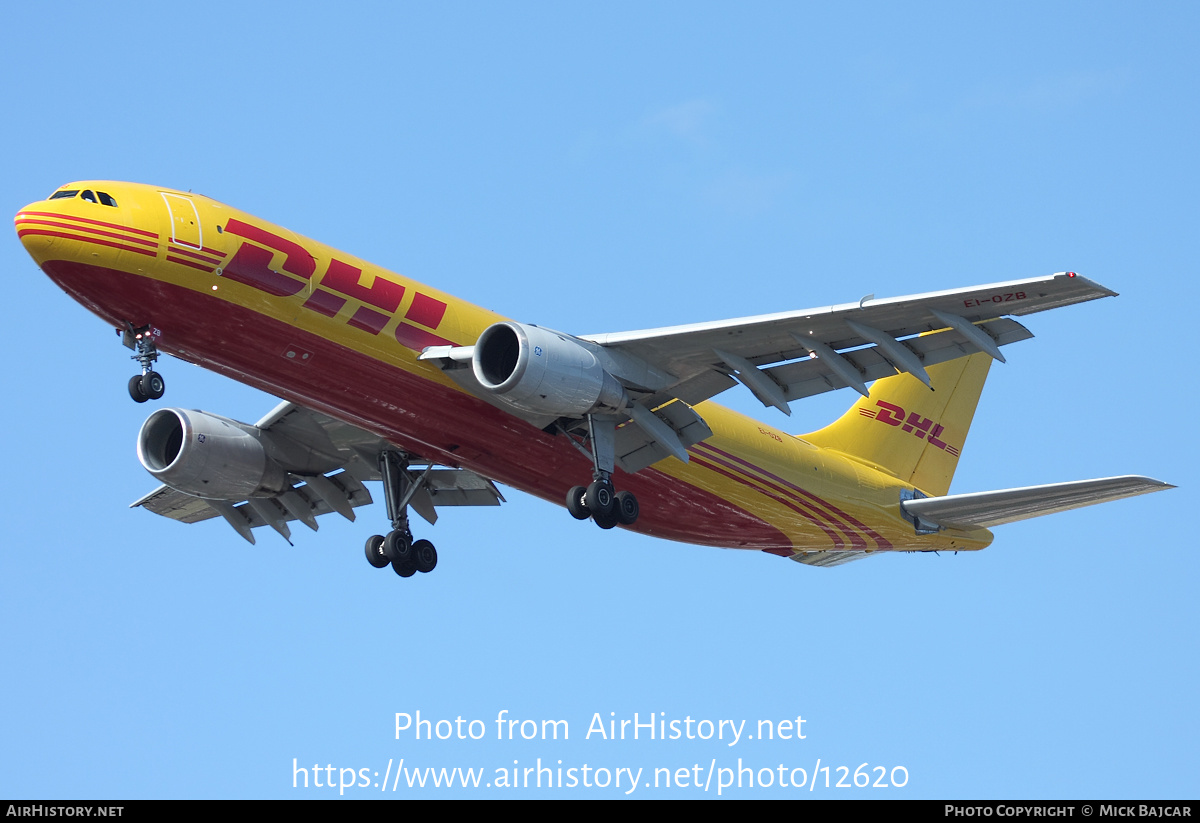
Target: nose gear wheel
column 149, row 385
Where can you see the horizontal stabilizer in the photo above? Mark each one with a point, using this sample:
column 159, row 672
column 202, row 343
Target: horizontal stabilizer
column 987, row 509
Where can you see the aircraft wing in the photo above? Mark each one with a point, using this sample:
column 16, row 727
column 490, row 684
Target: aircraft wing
column 782, row 357
column 305, row 504
column 327, row 462
column 987, row 509
column 850, row 344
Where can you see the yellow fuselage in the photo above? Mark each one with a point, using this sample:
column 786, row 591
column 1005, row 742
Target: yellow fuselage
column 330, row 332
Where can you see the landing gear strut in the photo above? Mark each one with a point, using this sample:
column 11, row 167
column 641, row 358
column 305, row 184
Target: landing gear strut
column 397, row 548
column 599, row 500
column 149, row 385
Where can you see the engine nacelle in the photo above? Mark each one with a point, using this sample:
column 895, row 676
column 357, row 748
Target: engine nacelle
column 542, row 371
column 207, row 456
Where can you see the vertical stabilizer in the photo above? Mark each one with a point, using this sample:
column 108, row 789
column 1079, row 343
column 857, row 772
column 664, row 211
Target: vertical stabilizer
column 907, row 430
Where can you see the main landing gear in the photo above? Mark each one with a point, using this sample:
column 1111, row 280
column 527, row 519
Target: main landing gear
column 149, row 385
column 599, row 501
column 397, row 548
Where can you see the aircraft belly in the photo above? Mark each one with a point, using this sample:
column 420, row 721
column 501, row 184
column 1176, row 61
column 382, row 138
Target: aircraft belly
column 432, row 419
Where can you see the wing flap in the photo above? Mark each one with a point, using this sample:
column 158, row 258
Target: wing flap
column 869, row 335
column 313, row 447
column 460, row 487
column 995, row 508
column 636, row 448
column 307, row 500
column 186, row 508
column 814, row 376
column 176, row 505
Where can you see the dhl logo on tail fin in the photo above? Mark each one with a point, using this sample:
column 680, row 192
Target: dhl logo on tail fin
column 919, row 426
column 923, row 432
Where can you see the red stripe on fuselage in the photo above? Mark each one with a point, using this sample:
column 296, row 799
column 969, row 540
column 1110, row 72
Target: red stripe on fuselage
column 76, row 227
column 61, row 216
column 879, row 541
column 190, row 251
column 416, row 413
column 834, row 537
column 208, row 268
column 781, row 495
column 98, row 242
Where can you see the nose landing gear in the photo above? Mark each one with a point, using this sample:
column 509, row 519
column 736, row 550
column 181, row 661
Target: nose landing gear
column 149, row 385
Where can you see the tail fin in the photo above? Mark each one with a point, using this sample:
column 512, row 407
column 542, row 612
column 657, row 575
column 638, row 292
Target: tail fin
column 907, row 430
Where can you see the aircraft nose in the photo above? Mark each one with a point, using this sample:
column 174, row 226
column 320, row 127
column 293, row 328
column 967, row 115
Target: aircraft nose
column 35, row 230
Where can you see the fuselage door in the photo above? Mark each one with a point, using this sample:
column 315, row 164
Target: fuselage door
column 185, row 220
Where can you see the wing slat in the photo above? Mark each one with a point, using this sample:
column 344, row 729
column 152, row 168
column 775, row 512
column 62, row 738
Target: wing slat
column 761, row 338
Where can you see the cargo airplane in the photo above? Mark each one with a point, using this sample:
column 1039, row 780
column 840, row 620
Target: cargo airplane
column 386, row 379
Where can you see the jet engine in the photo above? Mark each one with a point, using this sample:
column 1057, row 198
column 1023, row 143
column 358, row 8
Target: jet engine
column 207, row 456
column 543, row 371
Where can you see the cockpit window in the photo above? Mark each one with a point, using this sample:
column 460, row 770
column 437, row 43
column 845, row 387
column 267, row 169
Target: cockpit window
column 102, row 197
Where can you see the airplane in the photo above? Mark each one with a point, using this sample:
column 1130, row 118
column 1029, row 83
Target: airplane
column 387, row 379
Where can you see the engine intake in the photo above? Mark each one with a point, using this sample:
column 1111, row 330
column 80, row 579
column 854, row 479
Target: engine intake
column 543, row 371
column 207, row 456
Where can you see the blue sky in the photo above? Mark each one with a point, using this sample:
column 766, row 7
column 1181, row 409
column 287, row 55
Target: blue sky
column 602, row 168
